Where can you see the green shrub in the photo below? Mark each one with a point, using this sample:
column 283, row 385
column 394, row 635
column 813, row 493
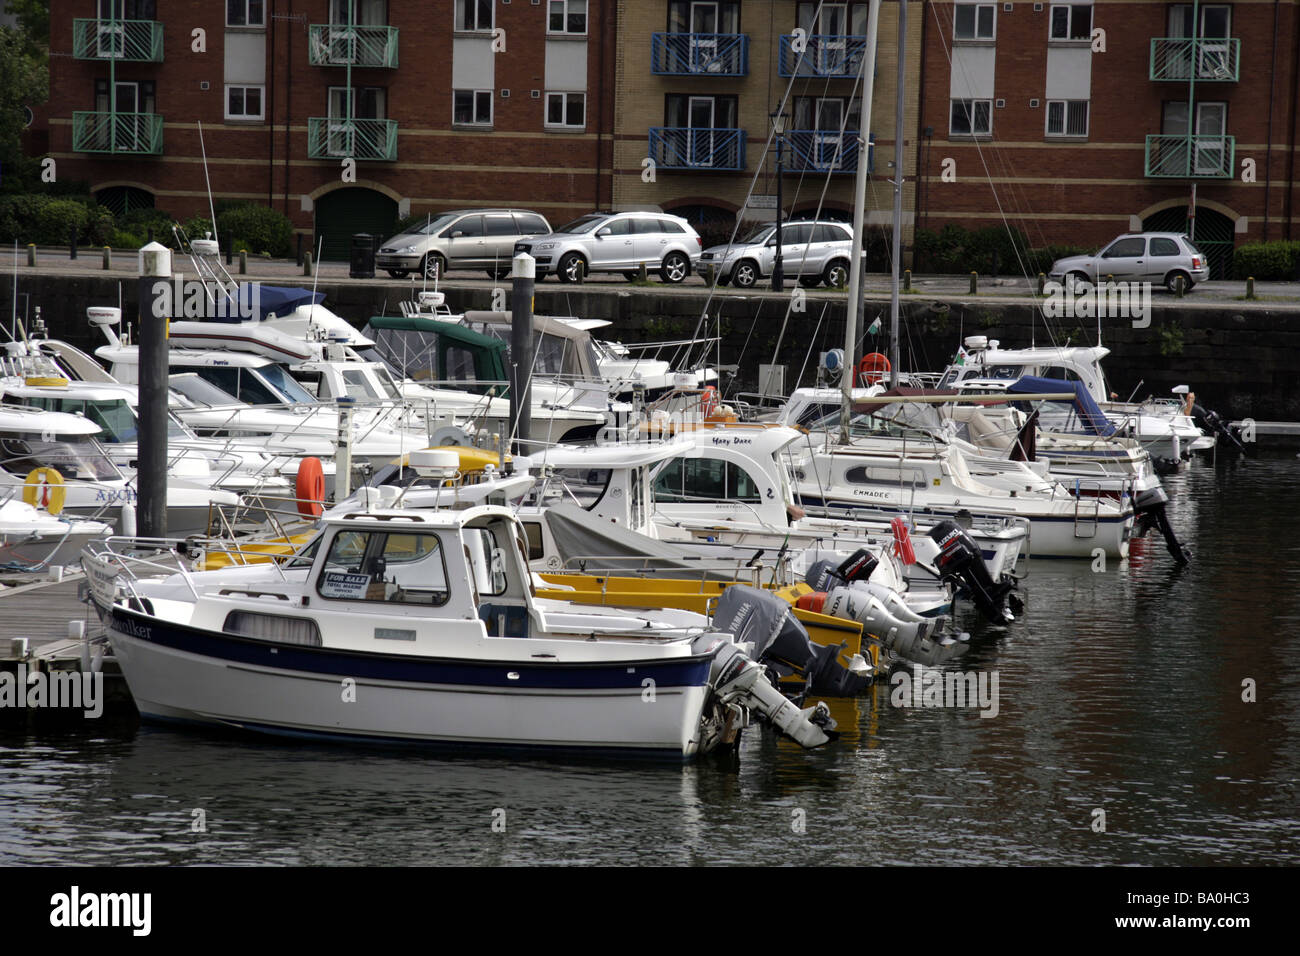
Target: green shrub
column 1266, row 260
column 197, row 227
column 258, row 228
column 123, row 239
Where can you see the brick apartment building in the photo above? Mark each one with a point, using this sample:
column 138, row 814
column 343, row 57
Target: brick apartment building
column 1074, row 144
column 444, row 104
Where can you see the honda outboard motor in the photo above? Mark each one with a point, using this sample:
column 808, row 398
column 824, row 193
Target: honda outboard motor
column 917, row 639
column 960, row 559
column 1149, row 507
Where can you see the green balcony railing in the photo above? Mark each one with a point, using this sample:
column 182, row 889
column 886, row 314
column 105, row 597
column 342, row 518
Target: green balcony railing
column 330, row 138
column 1190, row 157
column 134, row 41
column 1215, row 59
column 330, row 44
column 138, row 134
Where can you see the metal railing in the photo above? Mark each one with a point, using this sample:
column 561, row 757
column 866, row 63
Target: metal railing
column 134, row 41
column 106, row 132
column 331, row 138
column 1215, row 59
column 825, row 55
column 814, row 150
column 333, row 44
column 1183, row 157
column 677, row 147
column 699, row 54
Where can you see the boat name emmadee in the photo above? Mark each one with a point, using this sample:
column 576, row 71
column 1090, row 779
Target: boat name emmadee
column 1108, row 300
column 71, row 690
column 75, row 909
column 191, row 299
column 933, row 688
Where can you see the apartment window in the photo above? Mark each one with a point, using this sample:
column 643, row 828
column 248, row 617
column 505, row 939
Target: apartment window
column 566, row 109
column 714, row 16
column 474, row 15
column 974, row 21
column 832, row 19
column 827, row 113
column 131, row 97
column 472, row 107
column 1067, row 117
column 1071, row 22
column 566, row 16
column 1216, row 21
column 245, row 13
column 971, row 118
column 358, row 103
column 244, row 102
column 127, row 9
column 365, row 13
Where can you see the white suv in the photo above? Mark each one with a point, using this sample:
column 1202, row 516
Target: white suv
column 813, row 251
column 616, row 242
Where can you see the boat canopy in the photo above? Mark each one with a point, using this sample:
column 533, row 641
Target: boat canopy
column 272, row 301
column 1090, row 414
column 428, row 350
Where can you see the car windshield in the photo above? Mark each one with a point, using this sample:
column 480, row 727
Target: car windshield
column 583, row 224
column 430, row 225
column 760, row 235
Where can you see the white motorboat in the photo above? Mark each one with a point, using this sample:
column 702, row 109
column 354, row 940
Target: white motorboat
column 32, row 539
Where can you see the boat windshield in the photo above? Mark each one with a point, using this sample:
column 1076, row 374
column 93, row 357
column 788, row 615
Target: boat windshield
column 278, row 377
column 75, row 457
column 385, row 378
column 200, row 391
column 115, row 417
column 899, row 420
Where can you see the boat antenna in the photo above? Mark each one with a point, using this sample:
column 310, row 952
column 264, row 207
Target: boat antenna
column 208, row 182
column 13, row 322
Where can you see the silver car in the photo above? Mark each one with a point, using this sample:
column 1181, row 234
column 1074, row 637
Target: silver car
column 616, row 242
column 1156, row 257
column 463, row 239
column 814, row 252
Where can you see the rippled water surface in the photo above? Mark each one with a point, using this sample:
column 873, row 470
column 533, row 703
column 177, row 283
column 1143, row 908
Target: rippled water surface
column 1119, row 691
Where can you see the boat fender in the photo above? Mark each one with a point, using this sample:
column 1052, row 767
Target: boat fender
column 903, row 540
column 127, row 525
column 309, row 488
column 43, row 488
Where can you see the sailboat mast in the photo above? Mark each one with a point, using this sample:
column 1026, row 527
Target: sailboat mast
column 859, row 205
column 896, row 258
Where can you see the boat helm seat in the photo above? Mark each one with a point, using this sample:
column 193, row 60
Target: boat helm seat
column 504, row 620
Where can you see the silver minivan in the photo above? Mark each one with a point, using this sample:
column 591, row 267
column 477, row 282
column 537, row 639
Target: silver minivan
column 616, row 242
column 462, row 239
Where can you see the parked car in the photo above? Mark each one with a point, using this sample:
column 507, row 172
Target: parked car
column 462, row 239
column 616, row 242
column 814, row 252
column 1156, row 257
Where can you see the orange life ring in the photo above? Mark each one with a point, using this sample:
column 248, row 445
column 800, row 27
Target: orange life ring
column 709, row 401
column 873, row 367
column 309, row 488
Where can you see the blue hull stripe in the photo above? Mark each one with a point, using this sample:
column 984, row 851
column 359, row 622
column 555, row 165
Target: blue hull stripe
column 813, row 502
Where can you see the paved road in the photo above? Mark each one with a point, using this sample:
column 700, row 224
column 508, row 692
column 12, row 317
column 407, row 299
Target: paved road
column 89, row 262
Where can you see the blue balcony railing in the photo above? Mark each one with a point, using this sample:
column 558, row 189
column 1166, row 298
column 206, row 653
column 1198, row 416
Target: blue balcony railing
column 699, row 54
column 824, row 151
column 699, row 149
column 821, row 55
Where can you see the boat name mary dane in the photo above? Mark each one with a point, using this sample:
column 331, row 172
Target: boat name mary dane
column 62, row 689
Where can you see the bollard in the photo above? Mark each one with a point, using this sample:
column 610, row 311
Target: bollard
column 108, row 258
column 1180, row 286
column 907, row 280
column 974, row 282
column 710, row 274
column 641, row 274
column 1250, row 287
column 306, row 263
column 31, row 254
column 72, row 243
column 243, row 262
column 1042, row 283
column 300, row 249
column 1110, row 278
column 582, row 272
column 230, row 245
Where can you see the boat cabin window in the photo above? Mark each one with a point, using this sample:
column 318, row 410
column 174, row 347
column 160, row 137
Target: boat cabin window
column 1061, row 372
column 460, row 364
column 584, row 487
column 487, row 562
column 239, row 382
column 704, row 480
column 358, row 385
column 816, row 414
column 392, row 566
column 536, row 546
column 1004, row 371
column 114, row 416
column 72, row 456
column 273, row 627
column 280, row 379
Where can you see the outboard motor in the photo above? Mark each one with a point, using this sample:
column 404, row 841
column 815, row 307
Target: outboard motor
column 1215, row 423
column 1149, row 507
column 823, row 575
column 917, row 639
column 960, row 559
column 740, row 681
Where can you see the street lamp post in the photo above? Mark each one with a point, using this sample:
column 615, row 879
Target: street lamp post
column 778, row 273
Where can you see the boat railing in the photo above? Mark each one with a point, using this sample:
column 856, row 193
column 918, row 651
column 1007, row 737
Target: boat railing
column 131, row 554
column 629, row 566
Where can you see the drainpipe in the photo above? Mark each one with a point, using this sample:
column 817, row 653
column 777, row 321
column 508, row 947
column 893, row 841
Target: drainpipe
column 600, row 105
column 922, row 173
column 1291, row 135
column 270, row 114
column 288, row 106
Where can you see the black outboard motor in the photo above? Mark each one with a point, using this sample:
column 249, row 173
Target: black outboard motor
column 823, row 576
column 1149, row 508
column 960, row 559
column 1215, row 423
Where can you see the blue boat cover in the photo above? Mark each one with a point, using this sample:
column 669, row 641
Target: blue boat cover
column 275, row 300
column 1090, row 414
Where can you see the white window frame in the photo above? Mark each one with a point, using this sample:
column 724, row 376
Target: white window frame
column 974, row 133
column 1065, row 119
column 975, row 37
column 247, row 24
column 568, row 7
column 478, row 124
column 565, row 94
column 1069, row 23
column 463, row 7
column 260, row 116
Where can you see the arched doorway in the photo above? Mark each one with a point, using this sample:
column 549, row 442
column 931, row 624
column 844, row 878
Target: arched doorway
column 123, row 200
column 342, row 213
column 713, row 223
column 1214, row 234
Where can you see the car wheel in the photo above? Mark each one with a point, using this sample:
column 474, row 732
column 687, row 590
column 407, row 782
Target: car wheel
column 572, row 268
column 745, row 274
column 501, row 272
column 434, row 266
column 810, row 282
column 399, row 273
column 1080, row 279
column 836, row 275
column 1171, row 280
column 675, row 268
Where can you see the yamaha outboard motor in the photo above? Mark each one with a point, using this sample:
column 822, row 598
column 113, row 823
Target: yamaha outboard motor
column 960, row 559
column 1149, row 507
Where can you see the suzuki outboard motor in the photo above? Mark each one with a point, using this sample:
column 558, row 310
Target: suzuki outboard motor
column 960, row 559
column 1149, row 507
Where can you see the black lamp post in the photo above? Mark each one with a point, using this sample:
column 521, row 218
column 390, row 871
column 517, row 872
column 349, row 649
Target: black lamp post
column 778, row 273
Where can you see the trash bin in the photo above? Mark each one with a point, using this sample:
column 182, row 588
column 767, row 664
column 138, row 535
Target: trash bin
column 363, row 256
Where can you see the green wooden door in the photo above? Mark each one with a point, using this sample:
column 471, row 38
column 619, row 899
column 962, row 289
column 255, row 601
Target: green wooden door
column 344, row 212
